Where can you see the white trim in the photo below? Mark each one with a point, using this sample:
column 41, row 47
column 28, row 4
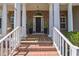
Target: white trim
column 34, row 23
column 37, row 16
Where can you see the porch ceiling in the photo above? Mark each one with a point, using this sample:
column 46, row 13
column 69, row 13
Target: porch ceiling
column 37, row 6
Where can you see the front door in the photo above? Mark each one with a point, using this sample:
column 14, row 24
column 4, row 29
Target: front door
column 38, row 24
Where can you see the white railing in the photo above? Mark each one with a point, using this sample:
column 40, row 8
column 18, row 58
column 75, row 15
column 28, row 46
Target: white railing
column 63, row 45
column 10, row 42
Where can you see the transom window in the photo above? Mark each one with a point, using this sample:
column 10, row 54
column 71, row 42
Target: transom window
column 63, row 22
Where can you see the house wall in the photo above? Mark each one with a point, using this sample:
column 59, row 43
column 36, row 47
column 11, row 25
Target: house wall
column 30, row 15
column 76, row 18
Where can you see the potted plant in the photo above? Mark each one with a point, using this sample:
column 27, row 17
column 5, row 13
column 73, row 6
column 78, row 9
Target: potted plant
column 46, row 27
column 30, row 27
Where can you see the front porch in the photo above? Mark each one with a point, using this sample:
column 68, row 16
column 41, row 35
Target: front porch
column 28, row 29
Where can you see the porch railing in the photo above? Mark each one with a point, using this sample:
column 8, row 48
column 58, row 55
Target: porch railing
column 63, row 45
column 9, row 43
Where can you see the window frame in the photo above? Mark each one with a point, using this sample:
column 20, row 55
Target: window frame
column 63, row 22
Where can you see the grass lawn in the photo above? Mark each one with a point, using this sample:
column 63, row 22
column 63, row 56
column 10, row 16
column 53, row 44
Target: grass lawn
column 73, row 37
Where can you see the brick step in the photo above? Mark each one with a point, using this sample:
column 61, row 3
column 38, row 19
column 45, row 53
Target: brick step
column 42, row 53
column 35, row 53
column 36, row 38
column 36, row 42
column 36, row 48
column 26, row 45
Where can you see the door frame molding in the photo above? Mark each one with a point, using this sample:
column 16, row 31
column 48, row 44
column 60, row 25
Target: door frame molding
column 34, row 24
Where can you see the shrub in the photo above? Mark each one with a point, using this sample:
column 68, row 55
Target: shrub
column 73, row 37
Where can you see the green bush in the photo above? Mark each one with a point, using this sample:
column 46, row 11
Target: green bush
column 73, row 37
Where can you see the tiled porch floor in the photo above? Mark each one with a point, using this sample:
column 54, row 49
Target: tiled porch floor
column 36, row 45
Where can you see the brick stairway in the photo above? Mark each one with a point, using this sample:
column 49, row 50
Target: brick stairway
column 36, row 45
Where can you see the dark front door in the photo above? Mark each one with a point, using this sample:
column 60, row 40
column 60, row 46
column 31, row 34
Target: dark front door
column 38, row 24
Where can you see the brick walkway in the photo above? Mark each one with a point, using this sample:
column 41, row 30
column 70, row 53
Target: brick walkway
column 36, row 45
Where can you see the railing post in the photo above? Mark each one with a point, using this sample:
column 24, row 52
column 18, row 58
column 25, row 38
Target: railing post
column 6, row 47
column 73, row 51
column 10, row 44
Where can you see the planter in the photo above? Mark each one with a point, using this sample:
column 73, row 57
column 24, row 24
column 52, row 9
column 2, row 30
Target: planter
column 45, row 30
column 30, row 30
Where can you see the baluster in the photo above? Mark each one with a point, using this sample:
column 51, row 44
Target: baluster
column 53, row 35
column 15, row 39
column 58, row 41
column 70, row 51
column 56, row 37
column 60, row 44
column 73, row 51
column 12, row 41
column 63, row 47
column 2, row 49
column 10, row 44
column 19, row 38
column 66, row 49
column 6, row 47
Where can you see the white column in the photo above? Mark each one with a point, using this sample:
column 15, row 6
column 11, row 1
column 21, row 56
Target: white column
column 4, row 19
column 17, row 14
column 24, row 20
column 70, row 18
column 50, row 20
column 57, row 15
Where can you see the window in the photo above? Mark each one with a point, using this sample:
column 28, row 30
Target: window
column 12, row 21
column 63, row 22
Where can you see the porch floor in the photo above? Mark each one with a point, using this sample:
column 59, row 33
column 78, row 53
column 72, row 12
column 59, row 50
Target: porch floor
column 36, row 45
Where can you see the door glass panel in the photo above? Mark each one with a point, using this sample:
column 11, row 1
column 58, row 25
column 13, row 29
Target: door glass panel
column 38, row 24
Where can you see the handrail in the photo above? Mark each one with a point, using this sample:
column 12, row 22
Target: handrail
column 8, row 34
column 66, row 38
column 63, row 45
column 10, row 42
